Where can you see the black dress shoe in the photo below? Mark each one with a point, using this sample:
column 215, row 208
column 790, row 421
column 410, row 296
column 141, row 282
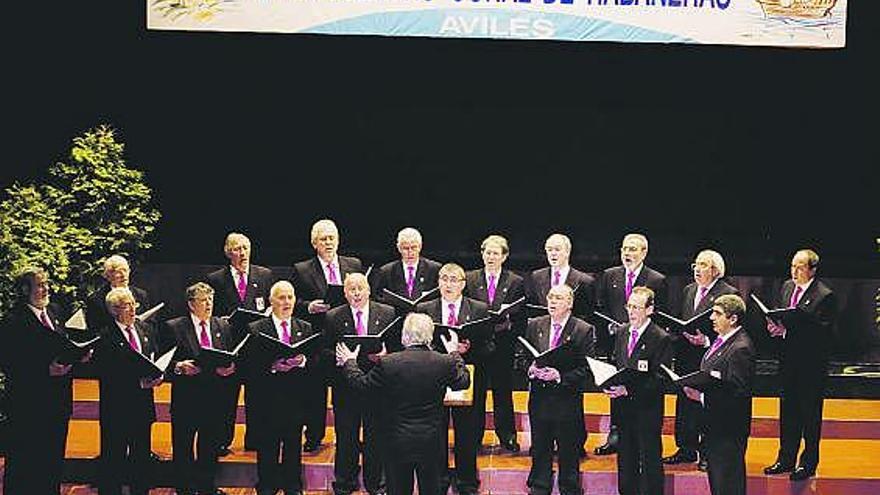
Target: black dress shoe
column 802, row 472
column 224, row 451
column 680, row 457
column 703, row 464
column 293, row 492
column 778, row 468
column 156, row 457
column 311, row 446
column 606, row 449
column 510, row 445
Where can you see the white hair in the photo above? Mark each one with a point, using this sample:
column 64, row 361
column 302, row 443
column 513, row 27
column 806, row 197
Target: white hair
column 418, row 329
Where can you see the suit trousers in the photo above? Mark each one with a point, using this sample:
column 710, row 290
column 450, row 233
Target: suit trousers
column 464, row 423
column 351, row 410
column 639, row 451
column 689, row 414
column 284, row 439
column 565, row 433
column 727, row 465
column 400, row 476
column 125, row 458
column 801, row 405
column 205, row 428
column 499, row 373
column 316, row 405
column 35, row 456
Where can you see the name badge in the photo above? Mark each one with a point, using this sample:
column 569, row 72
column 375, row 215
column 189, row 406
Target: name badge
column 715, row 374
column 261, row 304
column 642, row 365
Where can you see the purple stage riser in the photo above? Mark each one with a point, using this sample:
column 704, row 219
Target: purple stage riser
column 596, row 423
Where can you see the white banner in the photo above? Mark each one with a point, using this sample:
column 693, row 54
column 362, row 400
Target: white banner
column 795, row 23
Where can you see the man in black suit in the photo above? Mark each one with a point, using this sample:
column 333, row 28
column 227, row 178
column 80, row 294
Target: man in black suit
column 728, row 406
column 640, row 345
column 805, row 336
column 311, row 278
column 199, row 394
column 614, row 288
column 698, row 296
column 556, row 407
column 539, row 282
column 239, row 285
column 126, row 406
column 453, row 309
column 412, row 384
column 407, row 277
column 38, row 389
column 117, row 273
column 353, row 408
column 495, row 286
column 282, row 389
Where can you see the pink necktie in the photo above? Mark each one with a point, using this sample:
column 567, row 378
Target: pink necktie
column 556, row 276
column 204, row 339
column 285, row 334
column 491, row 289
column 557, row 336
column 700, row 296
column 630, row 278
column 331, row 274
column 634, row 337
column 715, row 346
column 132, row 340
column 44, row 319
column 410, row 280
column 242, row 286
column 359, row 324
column 795, row 297
column 452, row 320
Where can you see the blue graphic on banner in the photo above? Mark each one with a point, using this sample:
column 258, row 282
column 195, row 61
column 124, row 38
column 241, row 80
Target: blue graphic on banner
column 459, row 23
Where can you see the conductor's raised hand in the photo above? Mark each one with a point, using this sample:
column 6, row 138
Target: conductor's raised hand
column 343, row 353
column 450, row 344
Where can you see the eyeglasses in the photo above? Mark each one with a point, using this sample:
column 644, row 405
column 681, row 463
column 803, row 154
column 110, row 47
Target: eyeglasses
column 702, row 265
column 633, row 307
column 453, row 280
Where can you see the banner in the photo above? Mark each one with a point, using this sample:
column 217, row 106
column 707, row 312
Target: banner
column 794, row 23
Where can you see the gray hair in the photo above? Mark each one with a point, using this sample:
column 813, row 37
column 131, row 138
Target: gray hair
column 115, row 262
column 715, row 259
column 418, row 329
column 116, row 297
column 409, row 234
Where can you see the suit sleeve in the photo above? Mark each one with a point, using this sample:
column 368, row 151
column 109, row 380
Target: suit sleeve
column 358, row 380
column 459, row 378
column 302, row 304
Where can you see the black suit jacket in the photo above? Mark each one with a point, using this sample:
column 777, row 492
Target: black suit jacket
column 508, row 288
column 309, row 282
column 97, row 314
column 470, row 310
column 205, row 392
column 340, row 322
column 123, row 401
column 653, row 346
column 729, row 407
column 33, row 397
column 720, row 288
column 611, row 290
column 412, row 384
column 563, row 399
column 809, row 331
column 538, row 285
column 391, row 276
column 260, row 280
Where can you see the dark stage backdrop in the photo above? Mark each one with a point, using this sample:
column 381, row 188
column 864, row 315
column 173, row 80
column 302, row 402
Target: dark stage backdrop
column 752, row 151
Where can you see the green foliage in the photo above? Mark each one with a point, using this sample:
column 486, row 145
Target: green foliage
column 93, row 206
column 31, row 235
column 106, row 206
